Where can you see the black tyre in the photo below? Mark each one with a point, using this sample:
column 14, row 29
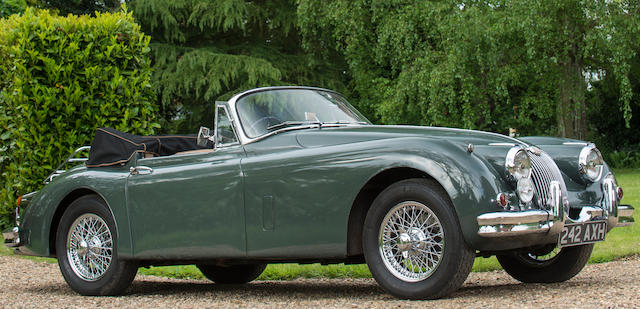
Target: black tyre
column 412, row 241
column 551, row 265
column 86, row 246
column 235, row 274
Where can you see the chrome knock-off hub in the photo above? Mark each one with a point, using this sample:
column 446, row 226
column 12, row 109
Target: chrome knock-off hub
column 409, row 242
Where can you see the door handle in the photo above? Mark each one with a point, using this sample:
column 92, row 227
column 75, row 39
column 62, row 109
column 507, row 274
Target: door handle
column 140, row 170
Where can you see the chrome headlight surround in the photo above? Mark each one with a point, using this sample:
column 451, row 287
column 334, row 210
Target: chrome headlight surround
column 590, row 163
column 518, row 163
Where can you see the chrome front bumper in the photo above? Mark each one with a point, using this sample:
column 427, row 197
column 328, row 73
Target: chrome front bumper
column 11, row 237
column 505, row 223
column 625, row 215
column 527, row 222
column 498, row 224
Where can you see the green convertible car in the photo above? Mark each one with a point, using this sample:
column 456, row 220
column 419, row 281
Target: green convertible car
column 296, row 174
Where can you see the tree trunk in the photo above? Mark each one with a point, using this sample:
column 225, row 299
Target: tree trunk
column 572, row 109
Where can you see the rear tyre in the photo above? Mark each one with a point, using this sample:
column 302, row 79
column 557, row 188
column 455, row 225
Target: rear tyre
column 412, row 241
column 86, row 246
column 235, row 274
column 554, row 266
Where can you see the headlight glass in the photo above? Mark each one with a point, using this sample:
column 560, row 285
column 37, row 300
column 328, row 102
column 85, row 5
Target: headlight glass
column 518, row 163
column 591, row 163
column 525, row 190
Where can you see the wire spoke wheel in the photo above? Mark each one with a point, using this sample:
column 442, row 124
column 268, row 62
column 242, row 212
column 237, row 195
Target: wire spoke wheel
column 89, row 247
column 411, row 241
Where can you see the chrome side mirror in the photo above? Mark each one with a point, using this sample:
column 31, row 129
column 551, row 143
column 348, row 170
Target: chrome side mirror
column 204, row 136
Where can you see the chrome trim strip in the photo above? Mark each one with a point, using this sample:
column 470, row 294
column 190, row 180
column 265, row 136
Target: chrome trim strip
column 555, row 198
column 236, row 130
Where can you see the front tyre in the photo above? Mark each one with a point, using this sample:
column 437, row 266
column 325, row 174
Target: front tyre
column 87, row 252
column 235, row 274
column 412, row 241
column 556, row 265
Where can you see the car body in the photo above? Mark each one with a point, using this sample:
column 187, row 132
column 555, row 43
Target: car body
column 312, row 190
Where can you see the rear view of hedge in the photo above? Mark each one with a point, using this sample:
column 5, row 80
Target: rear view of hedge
column 60, row 78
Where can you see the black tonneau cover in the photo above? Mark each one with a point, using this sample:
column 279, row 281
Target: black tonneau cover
column 112, row 147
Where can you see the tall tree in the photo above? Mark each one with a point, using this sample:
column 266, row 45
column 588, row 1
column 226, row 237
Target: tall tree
column 486, row 65
column 580, row 42
column 207, row 50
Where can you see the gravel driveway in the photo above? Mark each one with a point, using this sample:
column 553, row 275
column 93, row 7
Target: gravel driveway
column 26, row 283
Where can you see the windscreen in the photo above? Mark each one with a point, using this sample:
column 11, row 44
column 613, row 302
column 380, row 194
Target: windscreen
column 263, row 112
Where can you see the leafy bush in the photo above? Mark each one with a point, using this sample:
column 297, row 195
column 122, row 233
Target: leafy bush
column 626, row 158
column 60, row 78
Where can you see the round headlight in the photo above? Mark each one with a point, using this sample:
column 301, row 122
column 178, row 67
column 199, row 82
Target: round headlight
column 591, row 163
column 518, row 163
column 525, row 190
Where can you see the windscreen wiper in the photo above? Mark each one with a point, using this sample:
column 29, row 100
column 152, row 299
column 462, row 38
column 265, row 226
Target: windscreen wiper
column 285, row 124
column 344, row 122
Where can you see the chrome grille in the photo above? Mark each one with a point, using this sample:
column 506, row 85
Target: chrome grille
column 544, row 170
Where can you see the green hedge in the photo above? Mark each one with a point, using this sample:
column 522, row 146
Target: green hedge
column 60, row 78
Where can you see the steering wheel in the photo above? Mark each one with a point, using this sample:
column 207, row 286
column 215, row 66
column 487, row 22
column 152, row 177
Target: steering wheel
column 254, row 125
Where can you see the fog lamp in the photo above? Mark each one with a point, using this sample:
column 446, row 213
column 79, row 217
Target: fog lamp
column 525, row 190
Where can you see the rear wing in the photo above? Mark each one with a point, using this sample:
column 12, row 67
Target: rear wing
column 73, row 158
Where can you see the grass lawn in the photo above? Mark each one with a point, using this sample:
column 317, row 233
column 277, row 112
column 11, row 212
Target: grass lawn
column 620, row 243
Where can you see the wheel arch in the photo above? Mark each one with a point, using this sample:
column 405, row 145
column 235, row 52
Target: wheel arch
column 60, row 209
column 374, row 186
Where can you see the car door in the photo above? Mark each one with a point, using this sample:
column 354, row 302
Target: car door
column 190, row 206
column 298, row 200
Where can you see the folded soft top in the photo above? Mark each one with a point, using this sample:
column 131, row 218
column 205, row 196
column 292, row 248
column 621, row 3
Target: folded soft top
column 112, row 147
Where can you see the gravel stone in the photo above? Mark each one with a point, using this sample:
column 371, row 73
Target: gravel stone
column 29, row 284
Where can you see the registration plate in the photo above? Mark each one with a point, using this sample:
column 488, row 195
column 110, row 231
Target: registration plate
column 582, row 233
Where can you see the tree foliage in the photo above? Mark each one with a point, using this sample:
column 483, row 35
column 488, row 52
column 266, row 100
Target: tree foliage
column 608, row 126
column 8, row 7
column 204, row 50
column 489, row 65
column 81, row 7
column 62, row 77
